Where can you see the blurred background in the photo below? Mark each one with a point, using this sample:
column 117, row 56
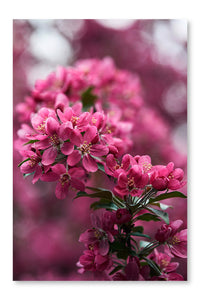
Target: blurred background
column 46, row 230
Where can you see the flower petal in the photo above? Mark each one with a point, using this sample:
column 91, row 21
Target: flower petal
column 90, row 134
column 74, row 158
column 89, row 163
column 67, row 148
column 51, row 126
column 99, row 150
column 49, row 156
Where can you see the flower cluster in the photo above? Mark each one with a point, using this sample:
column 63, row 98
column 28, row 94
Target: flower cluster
column 81, row 121
column 112, row 238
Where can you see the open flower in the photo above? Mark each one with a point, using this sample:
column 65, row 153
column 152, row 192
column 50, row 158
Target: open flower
column 113, row 167
column 90, row 261
column 87, row 148
column 55, row 140
column 131, row 182
column 66, row 179
column 55, row 83
column 166, row 266
column 167, row 177
column 175, row 242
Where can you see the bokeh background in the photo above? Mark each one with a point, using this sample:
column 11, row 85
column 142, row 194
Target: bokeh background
column 46, row 230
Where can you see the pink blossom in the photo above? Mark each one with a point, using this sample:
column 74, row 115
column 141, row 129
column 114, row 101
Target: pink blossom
column 88, row 148
column 25, row 109
column 32, row 165
column 66, row 178
column 73, row 114
column 113, row 167
column 131, row 182
column 55, row 83
column 167, row 177
column 176, row 242
column 56, row 139
column 167, row 267
column 89, row 261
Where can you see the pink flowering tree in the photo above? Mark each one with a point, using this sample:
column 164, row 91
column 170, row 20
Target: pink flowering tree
column 81, row 121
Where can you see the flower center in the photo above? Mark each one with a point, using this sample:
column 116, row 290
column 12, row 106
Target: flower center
column 131, row 184
column 164, row 263
column 97, row 234
column 175, row 240
column 146, row 166
column 74, row 120
column 41, row 127
column 55, row 141
column 171, row 176
column 85, row 148
column 33, row 161
column 94, row 120
column 64, row 178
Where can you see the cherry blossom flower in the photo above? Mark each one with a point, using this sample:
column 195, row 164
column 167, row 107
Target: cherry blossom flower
column 55, row 140
column 131, row 182
column 88, row 148
column 167, row 177
column 175, row 242
column 167, row 267
column 66, row 179
column 50, row 87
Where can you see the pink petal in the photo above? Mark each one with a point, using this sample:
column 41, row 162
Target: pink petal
column 51, row 126
column 122, row 180
column 74, row 158
column 76, row 137
column 65, row 131
column 49, row 156
column 61, row 102
column 67, row 148
column 99, row 150
column 111, row 162
column 103, row 247
column 90, row 134
column 59, row 169
column 126, row 161
column 77, row 184
column 37, row 175
column 89, row 163
column 50, row 176
column 43, row 144
column 173, row 184
column 61, row 191
column 76, row 172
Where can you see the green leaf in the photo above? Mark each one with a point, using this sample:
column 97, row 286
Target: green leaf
column 100, row 194
column 21, row 163
column 103, row 203
column 101, row 167
column 148, row 217
column 123, row 254
column 144, row 244
column 159, row 213
column 167, row 196
column 117, row 245
column 88, row 99
column 116, row 269
column 28, row 174
column 140, row 234
column 31, row 142
column 138, row 229
column 154, row 266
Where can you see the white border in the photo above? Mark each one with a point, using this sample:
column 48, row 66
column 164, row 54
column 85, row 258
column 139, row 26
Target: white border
column 98, row 9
